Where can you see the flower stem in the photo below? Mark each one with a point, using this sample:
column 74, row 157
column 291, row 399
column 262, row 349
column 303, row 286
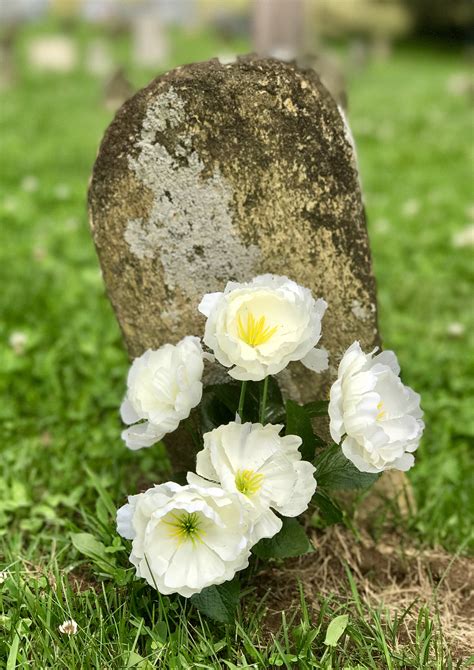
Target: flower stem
column 240, row 410
column 263, row 404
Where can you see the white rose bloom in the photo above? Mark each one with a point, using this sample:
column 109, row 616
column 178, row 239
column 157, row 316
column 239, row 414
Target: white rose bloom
column 163, row 387
column 257, row 328
column 262, row 468
column 185, row 538
column 380, row 417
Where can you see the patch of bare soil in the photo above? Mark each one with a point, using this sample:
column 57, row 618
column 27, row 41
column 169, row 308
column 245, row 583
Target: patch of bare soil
column 390, row 572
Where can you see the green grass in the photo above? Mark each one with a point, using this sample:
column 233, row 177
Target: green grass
column 60, row 428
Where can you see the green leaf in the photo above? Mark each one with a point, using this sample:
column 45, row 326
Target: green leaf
column 317, row 408
column 298, row 422
column 12, row 656
column 219, row 602
column 329, row 511
column 88, row 545
column 290, row 541
column 335, row 629
column 335, row 471
column 214, row 407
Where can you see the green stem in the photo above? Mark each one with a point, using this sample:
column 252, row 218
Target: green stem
column 263, row 404
column 240, row 410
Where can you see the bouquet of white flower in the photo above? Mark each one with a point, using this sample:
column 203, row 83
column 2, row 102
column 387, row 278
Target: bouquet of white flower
column 258, row 457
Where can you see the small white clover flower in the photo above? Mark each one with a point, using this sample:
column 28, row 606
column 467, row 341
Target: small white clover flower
column 464, row 237
column 30, row 183
column 3, row 576
column 68, row 627
column 379, row 416
column 163, row 387
column 455, row 329
column 18, row 341
column 262, row 468
column 257, row 328
column 185, row 538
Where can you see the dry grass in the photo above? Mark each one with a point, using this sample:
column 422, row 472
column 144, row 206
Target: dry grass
column 390, row 573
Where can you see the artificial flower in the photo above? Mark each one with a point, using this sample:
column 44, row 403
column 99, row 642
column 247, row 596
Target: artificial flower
column 185, row 538
column 376, row 416
column 262, row 468
column 163, row 387
column 257, row 328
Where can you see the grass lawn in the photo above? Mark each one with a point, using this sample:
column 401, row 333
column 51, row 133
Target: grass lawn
column 64, row 469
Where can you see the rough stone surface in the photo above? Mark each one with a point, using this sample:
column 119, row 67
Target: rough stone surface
column 225, row 171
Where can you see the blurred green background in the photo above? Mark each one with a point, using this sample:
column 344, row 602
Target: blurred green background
column 62, row 361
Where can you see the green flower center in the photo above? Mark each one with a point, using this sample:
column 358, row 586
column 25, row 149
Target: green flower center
column 187, row 526
column 248, row 482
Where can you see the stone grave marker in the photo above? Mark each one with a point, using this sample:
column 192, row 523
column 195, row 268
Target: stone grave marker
column 226, row 171
column 150, row 42
column 53, row 53
column 117, row 89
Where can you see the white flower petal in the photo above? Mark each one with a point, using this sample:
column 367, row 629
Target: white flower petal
column 256, row 328
column 209, row 302
column 141, row 435
column 303, row 490
column 262, row 468
column 316, row 360
column 381, row 418
column 186, row 538
column 267, row 525
column 124, row 522
column 128, row 413
column 163, row 386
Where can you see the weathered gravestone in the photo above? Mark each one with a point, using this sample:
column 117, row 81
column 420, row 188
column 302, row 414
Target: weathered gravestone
column 216, row 172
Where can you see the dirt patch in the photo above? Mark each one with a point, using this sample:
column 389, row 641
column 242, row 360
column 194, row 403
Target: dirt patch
column 390, row 572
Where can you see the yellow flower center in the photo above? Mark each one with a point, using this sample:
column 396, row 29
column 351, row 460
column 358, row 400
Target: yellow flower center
column 248, row 482
column 254, row 331
column 186, row 527
column 381, row 413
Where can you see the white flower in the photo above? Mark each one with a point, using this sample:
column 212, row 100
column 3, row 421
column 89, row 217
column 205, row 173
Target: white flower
column 68, row 627
column 262, row 468
column 258, row 327
column 185, row 538
column 464, row 237
column 380, row 417
column 18, row 341
column 3, row 576
column 456, row 329
column 163, row 387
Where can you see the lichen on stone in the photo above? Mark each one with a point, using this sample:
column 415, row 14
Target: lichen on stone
column 190, row 227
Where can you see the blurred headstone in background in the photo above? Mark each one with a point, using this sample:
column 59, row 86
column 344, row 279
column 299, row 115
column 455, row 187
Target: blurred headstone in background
column 7, row 57
column 379, row 23
column 53, row 53
column 331, row 72
column 99, row 60
column 117, row 89
column 278, row 28
column 18, row 11
column 281, row 30
column 358, row 56
column 181, row 13
column 461, row 84
column 150, row 43
column 65, row 13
